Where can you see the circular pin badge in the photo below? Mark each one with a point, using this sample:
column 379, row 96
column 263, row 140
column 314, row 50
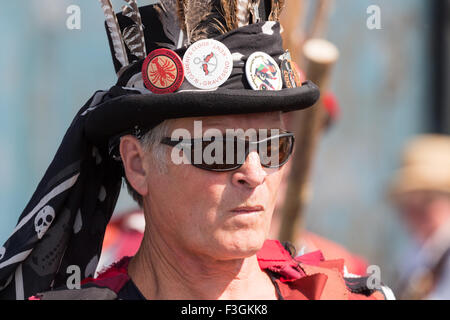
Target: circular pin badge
column 263, row 72
column 293, row 77
column 300, row 73
column 207, row 64
column 162, row 71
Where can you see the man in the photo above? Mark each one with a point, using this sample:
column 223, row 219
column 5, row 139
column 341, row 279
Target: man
column 421, row 192
column 126, row 229
column 207, row 195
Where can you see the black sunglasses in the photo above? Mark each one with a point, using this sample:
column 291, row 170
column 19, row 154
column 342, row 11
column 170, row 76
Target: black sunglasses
column 273, row 151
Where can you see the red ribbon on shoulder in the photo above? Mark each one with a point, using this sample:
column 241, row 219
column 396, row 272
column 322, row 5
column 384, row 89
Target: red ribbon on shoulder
column 294, row 283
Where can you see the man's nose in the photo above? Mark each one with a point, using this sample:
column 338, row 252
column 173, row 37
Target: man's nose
column 251, row 174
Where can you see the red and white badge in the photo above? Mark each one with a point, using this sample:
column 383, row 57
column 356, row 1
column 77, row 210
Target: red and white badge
column 207, row 64
column 162, row 71
column 262, row 72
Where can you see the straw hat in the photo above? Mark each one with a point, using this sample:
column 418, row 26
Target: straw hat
column 425, row 166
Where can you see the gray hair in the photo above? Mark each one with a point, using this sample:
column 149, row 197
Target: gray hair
column 151, row 144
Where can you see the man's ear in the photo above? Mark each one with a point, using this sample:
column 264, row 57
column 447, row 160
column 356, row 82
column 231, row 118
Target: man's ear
column 133, row 159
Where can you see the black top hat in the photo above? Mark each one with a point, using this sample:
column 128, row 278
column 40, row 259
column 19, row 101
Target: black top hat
column 244, row 27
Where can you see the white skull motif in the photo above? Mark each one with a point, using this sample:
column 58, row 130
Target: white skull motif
column 43, row 220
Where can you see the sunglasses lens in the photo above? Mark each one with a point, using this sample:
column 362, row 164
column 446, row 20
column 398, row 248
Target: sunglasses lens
column 276, row 151
column 227, row 155
column 218, row 155
column 286, row 146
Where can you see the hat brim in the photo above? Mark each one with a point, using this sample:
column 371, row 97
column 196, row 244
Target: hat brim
column 420, row 178
column 120, row 114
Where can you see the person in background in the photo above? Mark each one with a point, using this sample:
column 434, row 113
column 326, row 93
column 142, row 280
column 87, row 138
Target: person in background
column 421, row 192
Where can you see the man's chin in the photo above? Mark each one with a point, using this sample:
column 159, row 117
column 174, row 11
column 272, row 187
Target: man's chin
column 241, row 245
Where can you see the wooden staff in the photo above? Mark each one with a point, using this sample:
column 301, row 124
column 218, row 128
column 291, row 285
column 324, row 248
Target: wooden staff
column 293, row 35
column 295, row 32
column 320, row 56
column 319, row 23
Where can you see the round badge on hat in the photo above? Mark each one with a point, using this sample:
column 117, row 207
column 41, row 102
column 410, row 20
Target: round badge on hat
column 162, row 71
column 300, row 73
column 207, row 64
column 293, row 77
column 263, row 72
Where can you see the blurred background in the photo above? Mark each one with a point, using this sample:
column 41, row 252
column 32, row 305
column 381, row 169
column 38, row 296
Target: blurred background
column 391, row 83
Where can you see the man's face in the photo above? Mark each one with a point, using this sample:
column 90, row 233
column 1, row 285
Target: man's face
column 223, row 215
column 423, row 211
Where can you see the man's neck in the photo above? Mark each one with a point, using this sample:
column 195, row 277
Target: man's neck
column 167, row 273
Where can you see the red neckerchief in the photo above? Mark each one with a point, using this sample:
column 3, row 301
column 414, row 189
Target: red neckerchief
column 292, row 280
column 114, row 278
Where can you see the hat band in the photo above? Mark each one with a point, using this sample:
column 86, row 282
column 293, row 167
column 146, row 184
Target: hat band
column 242, row 43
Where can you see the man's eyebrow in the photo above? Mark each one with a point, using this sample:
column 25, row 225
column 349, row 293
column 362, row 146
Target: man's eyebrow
column 223, row 128
column 213, row 124
column 233, row 131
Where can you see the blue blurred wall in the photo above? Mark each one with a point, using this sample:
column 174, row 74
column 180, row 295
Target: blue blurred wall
column 48, row 72
column 382, row 81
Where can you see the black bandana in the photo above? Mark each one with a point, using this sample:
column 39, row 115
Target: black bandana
column 76, row 197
